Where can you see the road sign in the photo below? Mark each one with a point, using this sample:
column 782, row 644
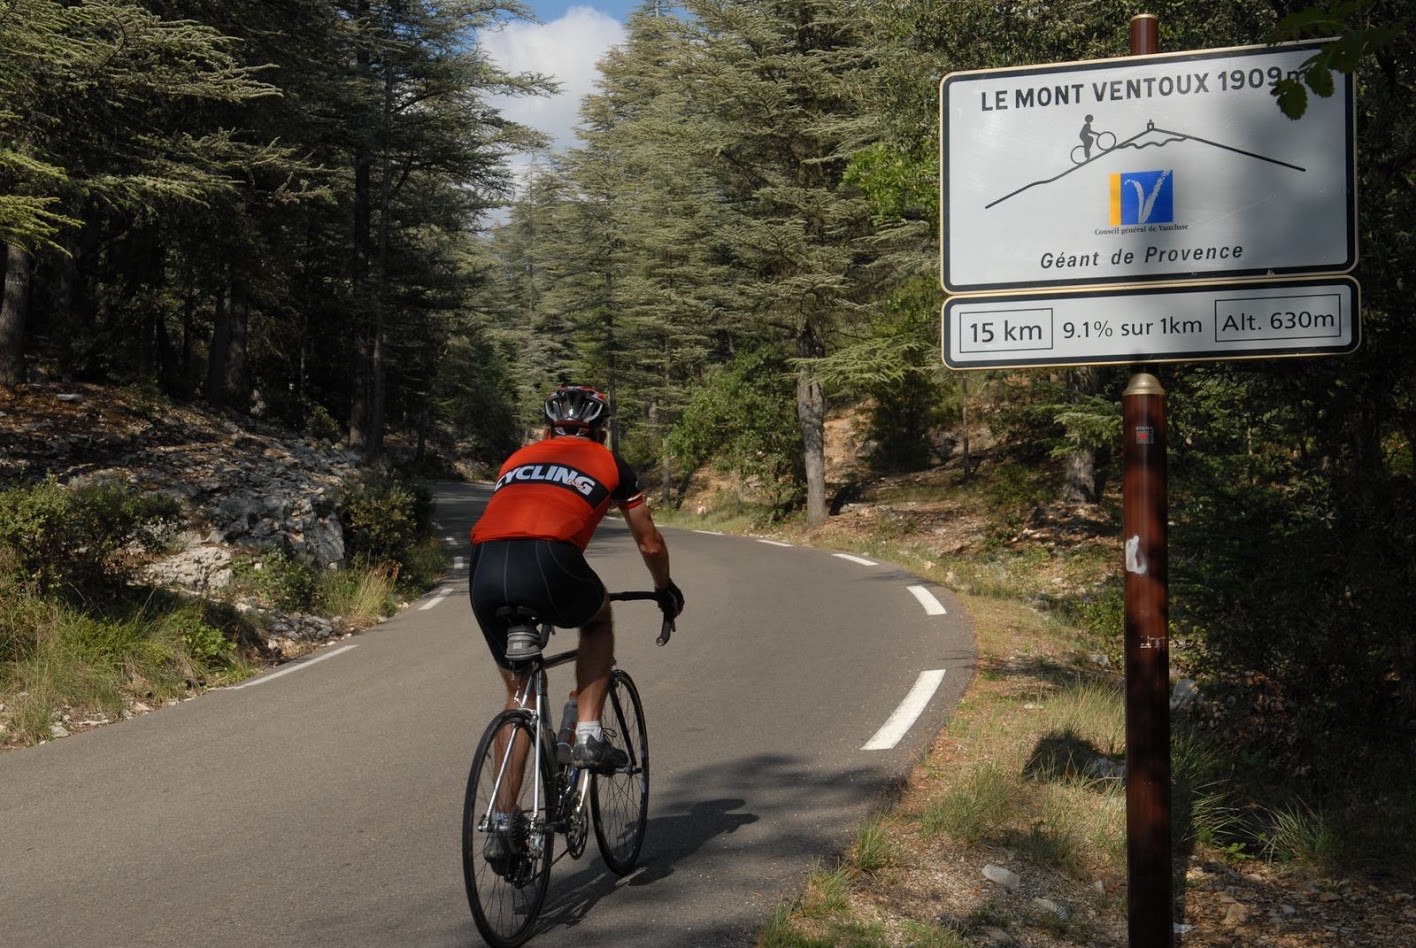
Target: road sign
column 1152, row 324
column 1147, row 169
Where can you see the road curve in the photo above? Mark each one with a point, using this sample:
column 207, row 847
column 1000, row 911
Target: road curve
column 319, row 803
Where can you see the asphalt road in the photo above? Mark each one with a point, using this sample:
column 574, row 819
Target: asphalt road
column 319, row 804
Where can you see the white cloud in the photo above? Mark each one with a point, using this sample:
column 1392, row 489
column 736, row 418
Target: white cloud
column 567, row 48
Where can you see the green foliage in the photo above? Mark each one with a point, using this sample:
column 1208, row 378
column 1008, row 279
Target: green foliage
column 283, row 582
column 893, row 365
column 320, row 425
column 385, row 516
column 204, row 643
column 68, row 539
column 742, row 417
column 874, row 849
column 1345, row 53
column 898, row 184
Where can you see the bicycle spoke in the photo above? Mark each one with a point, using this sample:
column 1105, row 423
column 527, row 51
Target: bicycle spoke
column 620, row 800
column 507, row 843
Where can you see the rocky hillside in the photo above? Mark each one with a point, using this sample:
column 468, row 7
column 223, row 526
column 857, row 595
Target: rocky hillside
column 244, row 485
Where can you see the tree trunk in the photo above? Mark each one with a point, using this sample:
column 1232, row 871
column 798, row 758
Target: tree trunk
column 14, row 308
column 811, row 420
column 1081, row 484
column 74, row 314
column 360, row 409
column 218, row 352
column 238, row 376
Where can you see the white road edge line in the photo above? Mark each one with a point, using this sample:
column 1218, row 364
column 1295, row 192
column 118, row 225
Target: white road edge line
column 293, row 668
column 442, row 594
column 932, row 606
column 457, row 562
column 856, row 559
column 908, row 712
column 711, row 533
column 772, row 542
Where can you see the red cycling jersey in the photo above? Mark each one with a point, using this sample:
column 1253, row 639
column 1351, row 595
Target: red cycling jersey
column 557, row 489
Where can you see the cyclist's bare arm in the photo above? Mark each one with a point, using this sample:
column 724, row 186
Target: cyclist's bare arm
column 651, row 543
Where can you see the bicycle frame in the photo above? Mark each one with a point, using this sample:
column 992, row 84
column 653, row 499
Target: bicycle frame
column 530, row 698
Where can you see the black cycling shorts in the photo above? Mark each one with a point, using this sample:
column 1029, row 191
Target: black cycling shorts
column 550, row 577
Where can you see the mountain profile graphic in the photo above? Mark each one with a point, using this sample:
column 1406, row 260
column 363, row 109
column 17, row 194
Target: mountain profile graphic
column 1149, row 137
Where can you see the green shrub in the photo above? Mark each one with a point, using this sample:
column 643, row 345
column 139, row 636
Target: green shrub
column 743, row 417
column 283, row 582
column 320, row 424
column 384, row 518
column 68, row 539
column 203, row 643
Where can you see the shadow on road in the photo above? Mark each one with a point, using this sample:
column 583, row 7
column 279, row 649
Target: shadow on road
column 572, row 898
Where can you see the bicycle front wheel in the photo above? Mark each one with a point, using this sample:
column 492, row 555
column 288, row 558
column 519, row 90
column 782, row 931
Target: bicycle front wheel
column 507, row 840
column 619, row 800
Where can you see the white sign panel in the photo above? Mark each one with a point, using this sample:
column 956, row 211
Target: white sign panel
column 1148, row 169
column 1159, row 324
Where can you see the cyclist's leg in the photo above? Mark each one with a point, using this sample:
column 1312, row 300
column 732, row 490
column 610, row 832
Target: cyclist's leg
column 491, row 585
column 592, row 665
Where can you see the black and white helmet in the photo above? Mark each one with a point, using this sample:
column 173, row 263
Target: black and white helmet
column 577, row 407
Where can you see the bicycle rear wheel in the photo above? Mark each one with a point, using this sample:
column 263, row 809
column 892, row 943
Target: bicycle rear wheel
column 506, row 872
column 619, row 801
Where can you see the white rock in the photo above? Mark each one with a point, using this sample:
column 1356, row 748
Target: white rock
column 1007, row 878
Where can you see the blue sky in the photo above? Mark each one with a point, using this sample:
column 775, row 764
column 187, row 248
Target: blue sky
column 553, row 9
column 570, row 39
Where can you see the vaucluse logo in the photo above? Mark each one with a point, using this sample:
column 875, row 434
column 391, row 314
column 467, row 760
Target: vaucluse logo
column 1142, row 197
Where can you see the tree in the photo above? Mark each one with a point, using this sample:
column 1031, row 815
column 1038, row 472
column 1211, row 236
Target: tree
column 86, row 86
column 424, row 82
column 648, row 201
column 771, row 84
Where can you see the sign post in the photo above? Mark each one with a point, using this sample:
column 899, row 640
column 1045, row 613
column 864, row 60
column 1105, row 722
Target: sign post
column 1148, row 209
column 1146, row 594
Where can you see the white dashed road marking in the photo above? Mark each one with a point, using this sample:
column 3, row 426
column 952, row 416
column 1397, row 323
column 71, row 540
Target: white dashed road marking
column 908, row 712
column 291, row 668
column 442, row 594
column 711, row 533
column 856, row 559
column 772, row 542
column 932, row 606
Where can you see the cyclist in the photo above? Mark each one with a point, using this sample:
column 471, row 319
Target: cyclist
column 528, row 550
column 1088, row 138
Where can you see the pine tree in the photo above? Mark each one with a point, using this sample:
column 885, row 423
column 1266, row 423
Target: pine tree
column 771, row 84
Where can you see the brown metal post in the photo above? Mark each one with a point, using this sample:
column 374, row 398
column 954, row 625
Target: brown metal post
column 1145, row 34
column 1143, row 524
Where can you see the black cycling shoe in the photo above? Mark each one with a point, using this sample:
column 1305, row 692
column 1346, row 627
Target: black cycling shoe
column 599, row 755
column 505, row 847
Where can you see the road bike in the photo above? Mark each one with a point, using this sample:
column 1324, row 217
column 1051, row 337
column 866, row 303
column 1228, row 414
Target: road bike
column 523, row 791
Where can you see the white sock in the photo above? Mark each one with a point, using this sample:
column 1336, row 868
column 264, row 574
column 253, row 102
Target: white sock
column 584, row 730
